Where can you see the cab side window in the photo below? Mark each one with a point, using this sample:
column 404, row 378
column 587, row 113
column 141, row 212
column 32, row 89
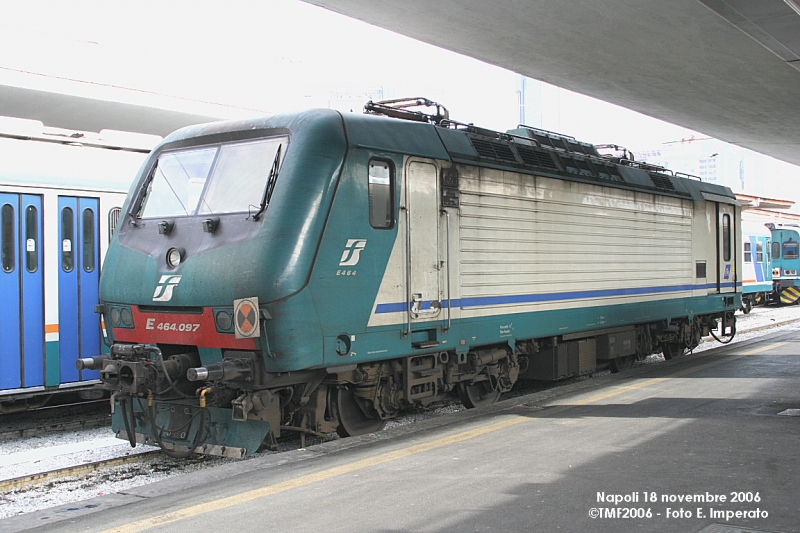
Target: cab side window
column 726, row 238
column 380, row 189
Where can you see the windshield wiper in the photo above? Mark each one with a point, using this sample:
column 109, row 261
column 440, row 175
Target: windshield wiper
column 273, row 177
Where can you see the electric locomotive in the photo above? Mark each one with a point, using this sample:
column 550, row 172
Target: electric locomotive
column 319, row 271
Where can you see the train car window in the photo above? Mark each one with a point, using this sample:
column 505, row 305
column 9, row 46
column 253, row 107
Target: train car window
column 240, row 175
column 759, row 252
column 7, row 233
column 88, row 240
column 380, row 188
column 790, row 250
column 67, row 238
column 776, row 250
column 748, row 253
column 31, row 238
column 726, row 237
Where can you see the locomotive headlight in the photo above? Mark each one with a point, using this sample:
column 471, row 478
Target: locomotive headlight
column 224, row 321
column 114, row 316
column 126, row 317
column 174, row 257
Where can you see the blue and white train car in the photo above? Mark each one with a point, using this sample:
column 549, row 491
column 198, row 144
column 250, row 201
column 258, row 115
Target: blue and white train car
column 60, row 194
column 786, row 262
column 756, row 265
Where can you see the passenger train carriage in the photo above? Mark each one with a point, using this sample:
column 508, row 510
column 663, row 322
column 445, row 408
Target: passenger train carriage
column 756, row 265
column 786, row 262
column 318, row 271
column 58, row 200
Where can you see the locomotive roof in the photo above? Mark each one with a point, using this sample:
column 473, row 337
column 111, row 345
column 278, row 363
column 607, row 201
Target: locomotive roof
column 526, row 150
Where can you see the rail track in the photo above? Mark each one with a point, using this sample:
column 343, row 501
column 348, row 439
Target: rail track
column 69, row 417
column 26, row 481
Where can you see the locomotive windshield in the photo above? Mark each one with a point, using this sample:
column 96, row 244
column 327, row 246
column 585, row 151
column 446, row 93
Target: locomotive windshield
column 225, row 178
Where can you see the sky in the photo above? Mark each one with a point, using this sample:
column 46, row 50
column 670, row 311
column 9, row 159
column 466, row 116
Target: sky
column 269, row 56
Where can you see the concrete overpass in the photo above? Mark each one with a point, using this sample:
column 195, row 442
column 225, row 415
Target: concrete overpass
column 93, row 114
column 726, row 68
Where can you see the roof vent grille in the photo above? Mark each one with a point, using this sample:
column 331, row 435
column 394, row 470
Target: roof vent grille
column 661, row 181
column 497, row 150
column 535, row 158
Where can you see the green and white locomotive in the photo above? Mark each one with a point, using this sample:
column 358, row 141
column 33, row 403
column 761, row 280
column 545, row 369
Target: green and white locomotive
column 319, row 272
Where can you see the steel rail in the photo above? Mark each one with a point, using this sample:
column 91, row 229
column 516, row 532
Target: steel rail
column 29, row 480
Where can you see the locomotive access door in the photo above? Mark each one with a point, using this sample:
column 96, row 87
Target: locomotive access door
column 78, row 284
column 22, row 352
column 726, row 249
column 422, row 234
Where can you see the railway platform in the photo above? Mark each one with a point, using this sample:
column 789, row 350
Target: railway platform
column 703, row 443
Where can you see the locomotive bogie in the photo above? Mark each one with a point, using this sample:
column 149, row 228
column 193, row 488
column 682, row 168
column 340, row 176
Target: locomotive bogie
column 391, row 263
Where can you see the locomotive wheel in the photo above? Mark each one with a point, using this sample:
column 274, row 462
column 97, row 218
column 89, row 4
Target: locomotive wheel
column 620, row 364
column 674, row 349
column 747, row 306
column 477, row 394
column 353, row 420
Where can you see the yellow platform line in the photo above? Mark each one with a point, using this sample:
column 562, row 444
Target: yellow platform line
column 308, row 479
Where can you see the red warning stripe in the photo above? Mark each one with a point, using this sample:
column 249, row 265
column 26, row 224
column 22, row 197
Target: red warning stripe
column 177, row 328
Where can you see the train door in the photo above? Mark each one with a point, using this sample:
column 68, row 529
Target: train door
column 726, row 249
column 422, row 203
column 78, row 284
column 22, row 351
column 762, row 259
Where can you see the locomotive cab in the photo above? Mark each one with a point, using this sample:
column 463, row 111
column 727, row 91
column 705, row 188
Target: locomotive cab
column 219, row 220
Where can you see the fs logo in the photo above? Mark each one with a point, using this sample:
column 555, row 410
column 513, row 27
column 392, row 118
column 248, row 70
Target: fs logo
column 165, row 287
column 352, row 252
